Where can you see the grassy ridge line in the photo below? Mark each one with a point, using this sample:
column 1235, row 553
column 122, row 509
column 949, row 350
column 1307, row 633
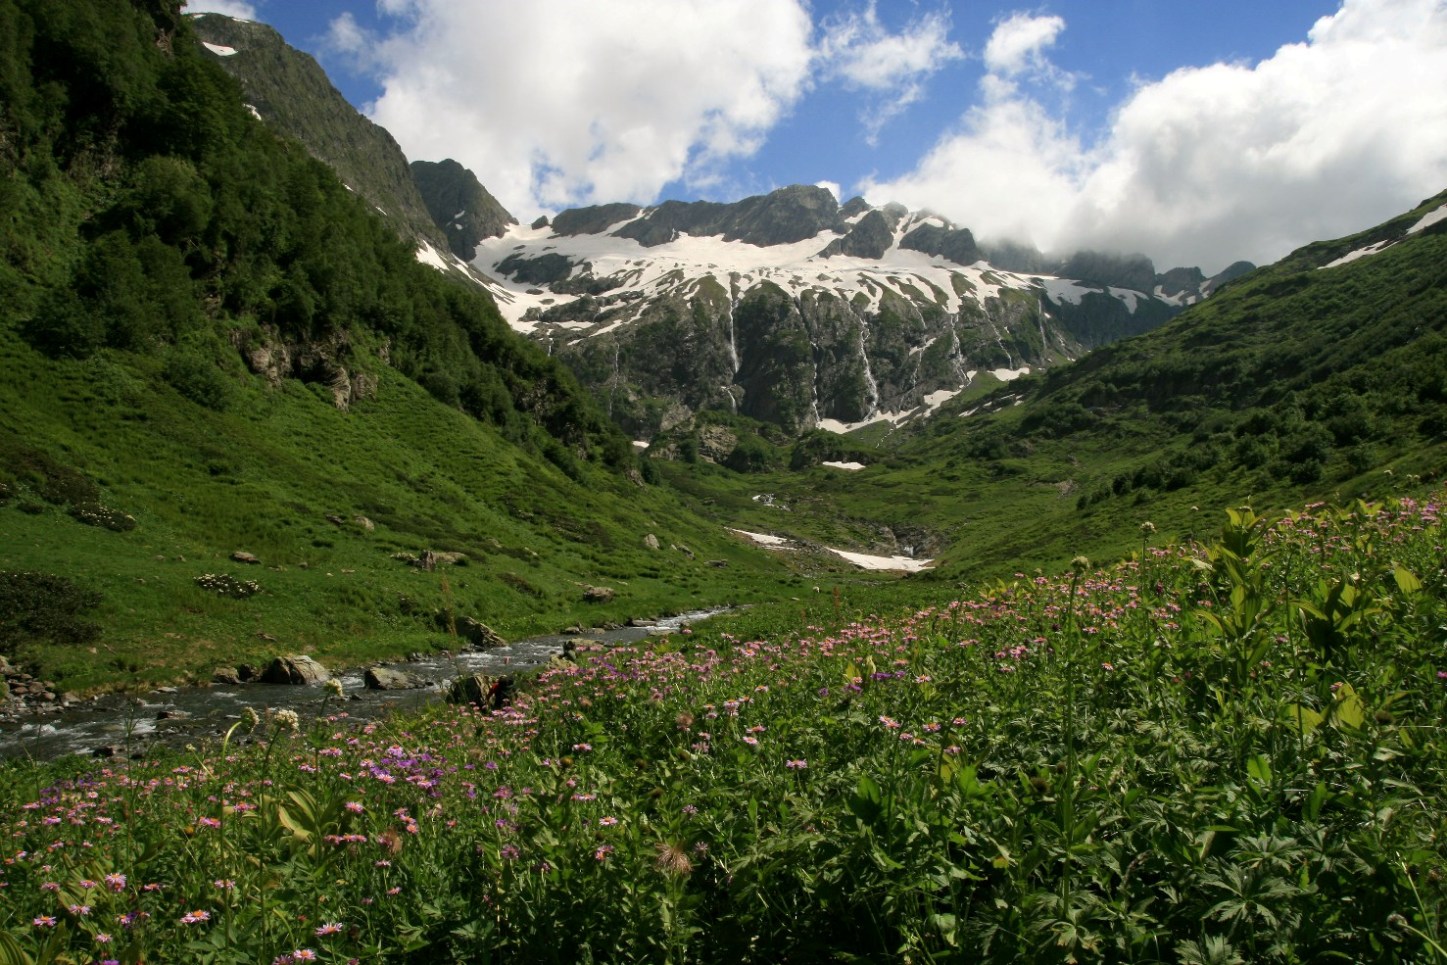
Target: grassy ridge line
column 1217, row 753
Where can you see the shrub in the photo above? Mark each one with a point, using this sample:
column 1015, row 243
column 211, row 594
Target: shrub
column 44, row 606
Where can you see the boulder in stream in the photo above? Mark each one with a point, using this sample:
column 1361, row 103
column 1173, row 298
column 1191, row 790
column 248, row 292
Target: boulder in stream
column 295, row 669
column 385, row 678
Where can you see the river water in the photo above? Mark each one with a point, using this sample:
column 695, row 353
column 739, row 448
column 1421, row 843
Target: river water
column 129, row 724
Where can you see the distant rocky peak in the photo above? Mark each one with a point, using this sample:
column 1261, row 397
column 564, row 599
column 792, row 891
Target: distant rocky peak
column 781, row 217
column 460, row 205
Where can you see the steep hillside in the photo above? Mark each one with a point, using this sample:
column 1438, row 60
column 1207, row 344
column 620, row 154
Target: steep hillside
column 793, row 310
column 212, row 347
column 289, row 91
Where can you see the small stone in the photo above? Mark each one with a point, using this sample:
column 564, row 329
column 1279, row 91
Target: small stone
column 241, row 556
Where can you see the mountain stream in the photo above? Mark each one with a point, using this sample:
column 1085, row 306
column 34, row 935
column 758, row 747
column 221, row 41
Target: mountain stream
column 125, row 725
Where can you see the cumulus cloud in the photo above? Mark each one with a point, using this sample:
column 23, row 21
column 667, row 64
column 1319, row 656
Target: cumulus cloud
column 240, row 9
column 556, row 103
column 1207, row 164
column 859, row 51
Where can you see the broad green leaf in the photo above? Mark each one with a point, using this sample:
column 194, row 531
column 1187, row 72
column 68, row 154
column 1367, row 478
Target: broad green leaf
column 1305, row 719
column 291, row 823
column 1407, row 581
column 1259, row 768
column 1349, row 710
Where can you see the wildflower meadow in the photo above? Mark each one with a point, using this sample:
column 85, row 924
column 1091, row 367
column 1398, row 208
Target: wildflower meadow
column 1210, row 753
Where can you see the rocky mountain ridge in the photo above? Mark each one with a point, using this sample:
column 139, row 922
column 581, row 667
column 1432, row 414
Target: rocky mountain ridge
column 796, row 310
column 786, row 307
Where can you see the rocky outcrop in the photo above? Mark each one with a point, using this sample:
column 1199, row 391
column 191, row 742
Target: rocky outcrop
column 593, row 220
column 328, row 362
column 956, row 244
column 782, row 217
column 459, row 205
column 295, row 669
column 870, row 237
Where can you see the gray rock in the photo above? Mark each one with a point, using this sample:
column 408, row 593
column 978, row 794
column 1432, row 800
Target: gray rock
column 295, row 669
column 479, row 634
column 385, row 678
column 650, row 541
column 598, row 594
column 241, row 556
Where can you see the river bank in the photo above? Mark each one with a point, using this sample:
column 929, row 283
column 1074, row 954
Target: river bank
column 125, row 725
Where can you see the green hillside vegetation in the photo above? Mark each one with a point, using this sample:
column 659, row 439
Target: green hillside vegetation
column 211, row 346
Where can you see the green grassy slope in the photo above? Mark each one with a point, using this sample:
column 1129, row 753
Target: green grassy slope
column 265, row 476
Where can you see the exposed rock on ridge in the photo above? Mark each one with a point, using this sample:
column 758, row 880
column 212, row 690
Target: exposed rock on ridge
column 460, row 205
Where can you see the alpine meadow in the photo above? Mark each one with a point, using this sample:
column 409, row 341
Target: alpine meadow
column 774, row 580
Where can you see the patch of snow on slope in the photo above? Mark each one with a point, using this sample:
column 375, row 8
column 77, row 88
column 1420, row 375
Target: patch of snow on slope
column 763, row 539
column 1352, row 256
column 257, row 114
column 846, row 466
column 1009, row 375
column 1065, row 290
column 936, row 399
column 429, row 256
column 220, row 50
column 1428, row 220
column 866, row 562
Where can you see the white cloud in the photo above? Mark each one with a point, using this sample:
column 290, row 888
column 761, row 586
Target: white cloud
column 1207, row 164
column 556, row 103
column 240, row 9
column 1018, row 43
column 859, row 51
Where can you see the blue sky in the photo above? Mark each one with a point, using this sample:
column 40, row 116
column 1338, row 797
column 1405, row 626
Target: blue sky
column 1197, row 133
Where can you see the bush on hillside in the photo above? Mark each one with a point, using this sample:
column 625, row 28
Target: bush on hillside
column 44, row 607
